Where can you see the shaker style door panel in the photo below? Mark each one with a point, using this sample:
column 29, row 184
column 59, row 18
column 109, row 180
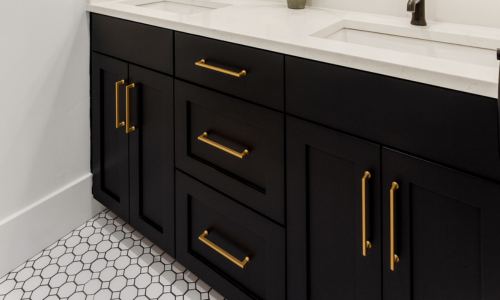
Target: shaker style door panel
column 109, row 144
column 210, row 224
column 446, row 232
column 152, row 156
column 325, row 171
column 255, row 179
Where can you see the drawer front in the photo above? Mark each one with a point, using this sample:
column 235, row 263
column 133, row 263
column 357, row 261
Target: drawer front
column 145, row 45
column 256, row 179
column 262, row 84
column 239, row 232
column 446, row 126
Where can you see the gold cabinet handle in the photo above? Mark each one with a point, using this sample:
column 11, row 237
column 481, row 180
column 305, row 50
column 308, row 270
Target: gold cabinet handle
column 394, row 257
column 117, row 93
column 127, row 117
column 240, row 264
column 202, row 63
column 366, row 244
column 203, row 138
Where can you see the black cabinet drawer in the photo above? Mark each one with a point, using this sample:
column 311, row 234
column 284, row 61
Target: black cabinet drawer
column 450, row 127
column 263, row 82
column 239, row 232
column 145, row 45
column 256, row 179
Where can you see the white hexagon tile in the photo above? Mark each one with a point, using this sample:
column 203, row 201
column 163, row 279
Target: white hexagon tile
column 105, row 258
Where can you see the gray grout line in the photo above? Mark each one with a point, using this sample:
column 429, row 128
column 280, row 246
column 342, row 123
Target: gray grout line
column 104, row 258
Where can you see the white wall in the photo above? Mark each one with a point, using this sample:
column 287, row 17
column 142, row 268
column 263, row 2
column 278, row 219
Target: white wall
column 44, row 124
column 470, row 12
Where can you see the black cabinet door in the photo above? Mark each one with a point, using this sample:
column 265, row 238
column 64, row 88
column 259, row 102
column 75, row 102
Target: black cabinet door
column 152, row 156
column 324, row 215
column 109, row 144
column 446, row 232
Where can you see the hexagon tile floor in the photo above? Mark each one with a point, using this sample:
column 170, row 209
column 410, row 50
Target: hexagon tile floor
column 104, row 259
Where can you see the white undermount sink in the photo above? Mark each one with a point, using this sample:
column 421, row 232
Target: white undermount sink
column 415, row 45
column 184, row 7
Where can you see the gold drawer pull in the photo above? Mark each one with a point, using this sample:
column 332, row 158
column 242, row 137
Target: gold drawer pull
column 366, row 244
column 202, row 63
column 127, row 117
column 117, row 93
column 203, row 138
column 394, row 257
column 240, row 264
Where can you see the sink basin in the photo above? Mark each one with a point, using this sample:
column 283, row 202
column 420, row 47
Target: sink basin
column 184, row 7
column 419, row 46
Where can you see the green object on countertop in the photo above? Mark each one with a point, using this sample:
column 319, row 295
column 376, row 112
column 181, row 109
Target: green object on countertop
column 296, row 4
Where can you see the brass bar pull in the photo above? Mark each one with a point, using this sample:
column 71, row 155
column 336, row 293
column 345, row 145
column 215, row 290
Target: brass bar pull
column 118, row 123
column 366, row 244
column 202, row 63
column 203, row 138
column 127, row 117
column 394, row 257
column 240, row 264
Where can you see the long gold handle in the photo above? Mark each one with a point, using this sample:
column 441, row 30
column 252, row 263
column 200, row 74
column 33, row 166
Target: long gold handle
column 394, row 257
column 203, row 138
column 127, row 117
column 117, row 93
column 240, row 264
column 366, row 244
column 202, row 63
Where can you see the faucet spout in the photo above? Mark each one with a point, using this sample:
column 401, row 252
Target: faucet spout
column 411, row 5
column 417, row 8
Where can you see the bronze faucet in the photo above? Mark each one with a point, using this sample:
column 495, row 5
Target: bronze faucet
column 417, row 7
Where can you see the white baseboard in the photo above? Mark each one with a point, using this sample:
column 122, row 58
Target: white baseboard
column 39, row 225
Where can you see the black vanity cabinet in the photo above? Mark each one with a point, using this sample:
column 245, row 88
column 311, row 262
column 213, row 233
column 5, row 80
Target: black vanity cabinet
column 446, row 232
column 326, row 171
column 285, row 178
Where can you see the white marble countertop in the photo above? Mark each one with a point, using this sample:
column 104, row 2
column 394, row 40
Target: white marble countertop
column 272, row 26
